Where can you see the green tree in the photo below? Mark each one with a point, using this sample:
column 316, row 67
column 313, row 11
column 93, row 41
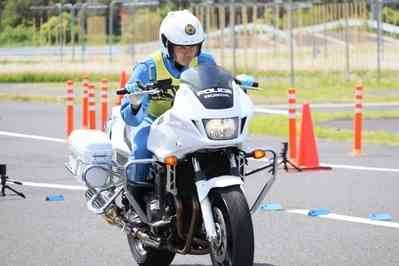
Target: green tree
column 16, row 12
column 20, row 35
column 1, row 7
column 53, row 27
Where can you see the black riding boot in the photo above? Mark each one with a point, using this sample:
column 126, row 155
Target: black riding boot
column 138, row 194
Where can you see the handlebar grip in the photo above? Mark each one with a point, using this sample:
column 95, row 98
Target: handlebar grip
column 121, row 92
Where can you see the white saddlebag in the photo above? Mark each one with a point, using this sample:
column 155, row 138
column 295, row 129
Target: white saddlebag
column 90, row 157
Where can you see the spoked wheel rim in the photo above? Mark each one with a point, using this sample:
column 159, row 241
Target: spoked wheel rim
column 219, row 247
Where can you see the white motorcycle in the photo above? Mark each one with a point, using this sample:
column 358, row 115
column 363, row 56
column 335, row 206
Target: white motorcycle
column 193, row 200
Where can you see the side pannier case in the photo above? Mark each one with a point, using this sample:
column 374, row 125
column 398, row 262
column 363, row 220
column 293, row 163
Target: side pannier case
column 90, row 157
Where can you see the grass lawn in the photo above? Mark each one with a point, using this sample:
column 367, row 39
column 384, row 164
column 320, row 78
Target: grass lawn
column 277, row 125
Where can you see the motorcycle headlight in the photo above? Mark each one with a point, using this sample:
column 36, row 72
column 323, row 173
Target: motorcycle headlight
column 221, row 129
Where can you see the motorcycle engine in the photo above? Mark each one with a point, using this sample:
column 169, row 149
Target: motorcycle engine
column 153, row 210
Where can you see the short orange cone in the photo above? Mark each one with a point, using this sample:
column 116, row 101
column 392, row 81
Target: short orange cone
column 308, row 158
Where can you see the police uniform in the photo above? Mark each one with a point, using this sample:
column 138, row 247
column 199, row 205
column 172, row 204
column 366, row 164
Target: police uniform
column 157, row 67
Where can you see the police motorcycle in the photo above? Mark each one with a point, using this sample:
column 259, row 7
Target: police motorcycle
column 193, row 195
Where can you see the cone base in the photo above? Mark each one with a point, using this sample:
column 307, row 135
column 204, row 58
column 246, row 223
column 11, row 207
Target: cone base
column 311, row 168
column 356, row 152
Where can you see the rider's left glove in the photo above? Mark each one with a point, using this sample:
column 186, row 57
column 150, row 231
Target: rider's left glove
column 131, row 87
column 246, row 80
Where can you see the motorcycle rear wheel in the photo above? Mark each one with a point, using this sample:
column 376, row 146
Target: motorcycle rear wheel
column 235, row 238
column 145, row 256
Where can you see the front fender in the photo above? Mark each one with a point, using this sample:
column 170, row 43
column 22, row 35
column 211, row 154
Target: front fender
column 204, row 186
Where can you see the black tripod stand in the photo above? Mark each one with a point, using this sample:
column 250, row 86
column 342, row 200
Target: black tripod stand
column 5, row 179
column 284, row 160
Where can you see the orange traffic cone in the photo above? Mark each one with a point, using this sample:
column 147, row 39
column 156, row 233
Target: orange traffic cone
column 122, row 84
column 308, row 158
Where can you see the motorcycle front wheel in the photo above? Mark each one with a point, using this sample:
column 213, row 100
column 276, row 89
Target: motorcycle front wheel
column 145, row 256
column 235, row 237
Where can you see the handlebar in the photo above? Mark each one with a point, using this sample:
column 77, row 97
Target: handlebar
column 157, row 90
column 161, row 87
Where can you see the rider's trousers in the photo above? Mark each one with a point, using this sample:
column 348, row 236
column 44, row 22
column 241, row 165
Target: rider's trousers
column 139, row 135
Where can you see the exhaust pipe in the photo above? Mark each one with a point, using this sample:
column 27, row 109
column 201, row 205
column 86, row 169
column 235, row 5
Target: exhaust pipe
column 145, row 238
column 140, row 235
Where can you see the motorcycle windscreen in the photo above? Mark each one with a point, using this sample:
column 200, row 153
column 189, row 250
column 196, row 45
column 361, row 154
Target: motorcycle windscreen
column 211, row 84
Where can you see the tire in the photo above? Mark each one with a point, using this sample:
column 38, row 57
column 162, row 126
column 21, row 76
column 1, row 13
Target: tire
column 235, row 244
column 145, row 256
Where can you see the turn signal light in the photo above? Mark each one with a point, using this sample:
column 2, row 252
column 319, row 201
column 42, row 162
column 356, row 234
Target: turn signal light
column 170, row 160
column 258, row 154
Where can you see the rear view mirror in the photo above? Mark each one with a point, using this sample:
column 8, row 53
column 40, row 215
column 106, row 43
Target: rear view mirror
column 247, row 82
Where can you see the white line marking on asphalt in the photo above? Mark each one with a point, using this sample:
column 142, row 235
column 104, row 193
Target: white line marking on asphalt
column 295, row 211
column 328, row 105
column 346, row 218
column 18, row 135
column 363, row 168
column 275, row 108
column 350, row 167
column 46, row 185
column 305, row 212
column 271, row 111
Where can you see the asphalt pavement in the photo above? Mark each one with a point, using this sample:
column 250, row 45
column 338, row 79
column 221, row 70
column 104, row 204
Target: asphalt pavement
column 34, row 231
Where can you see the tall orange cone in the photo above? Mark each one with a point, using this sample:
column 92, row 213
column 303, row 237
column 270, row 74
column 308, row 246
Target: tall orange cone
column 70, row 120
column 85, row 102
column 122, row 84
column 308, row 157
column 92, row 107
column 104, row 103
column 358, row 120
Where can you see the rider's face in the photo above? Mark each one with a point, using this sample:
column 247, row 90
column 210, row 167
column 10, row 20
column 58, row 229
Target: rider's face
column 184, row 54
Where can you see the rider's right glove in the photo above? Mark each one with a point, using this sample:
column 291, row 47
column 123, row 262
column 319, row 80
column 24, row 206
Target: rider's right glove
column 134, row 100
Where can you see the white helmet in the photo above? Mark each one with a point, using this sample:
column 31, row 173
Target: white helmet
column 181, row 28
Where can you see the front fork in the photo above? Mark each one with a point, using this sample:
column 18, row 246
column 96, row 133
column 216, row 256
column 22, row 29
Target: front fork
column 206, row 208
column 203, row 187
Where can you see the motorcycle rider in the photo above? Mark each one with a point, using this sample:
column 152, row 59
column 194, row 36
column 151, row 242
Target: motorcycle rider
column 181, row 37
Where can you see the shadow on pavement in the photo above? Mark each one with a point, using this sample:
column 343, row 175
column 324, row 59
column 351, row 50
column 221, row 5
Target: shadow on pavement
column 255, row 264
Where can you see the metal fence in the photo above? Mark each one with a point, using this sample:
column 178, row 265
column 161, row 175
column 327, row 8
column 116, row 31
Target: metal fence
column 335, row 37
column 287, row 37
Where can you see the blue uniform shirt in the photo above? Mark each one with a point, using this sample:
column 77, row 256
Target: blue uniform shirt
column 145, row 73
